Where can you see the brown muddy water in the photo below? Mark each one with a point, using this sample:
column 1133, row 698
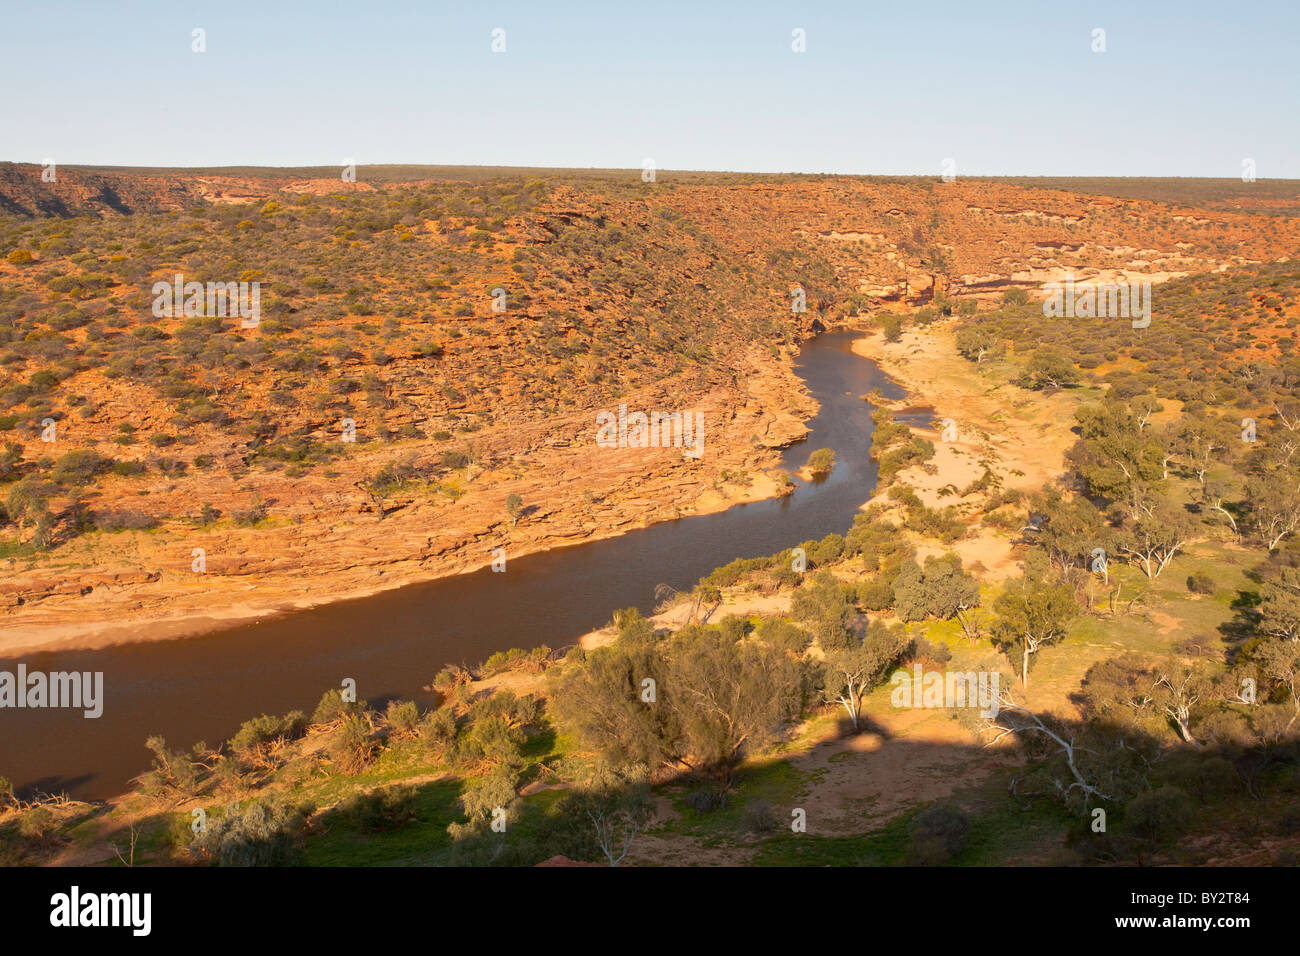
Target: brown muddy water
column 393, row 643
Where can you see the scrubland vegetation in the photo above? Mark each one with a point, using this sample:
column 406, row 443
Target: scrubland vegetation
column 1149, row 639
column 409, row 350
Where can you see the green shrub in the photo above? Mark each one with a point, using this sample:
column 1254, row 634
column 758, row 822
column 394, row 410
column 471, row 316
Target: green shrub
column 80, row 466
column 937, row 834
column 1159, row 815
column 381, row 810
column 332, row 706
column 403, row 715
column 266, row 729
column 260, row 834
column 821, row 461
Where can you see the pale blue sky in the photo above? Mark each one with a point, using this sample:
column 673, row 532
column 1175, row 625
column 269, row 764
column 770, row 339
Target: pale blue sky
column 1186, row 88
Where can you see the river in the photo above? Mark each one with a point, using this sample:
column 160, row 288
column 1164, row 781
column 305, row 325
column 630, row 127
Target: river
column 393, row 643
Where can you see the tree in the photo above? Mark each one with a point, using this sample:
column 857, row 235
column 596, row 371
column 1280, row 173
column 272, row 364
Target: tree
column 1113, row 454
column 1032, row 613
column 851, row 672
column 1279, row 608
column 703, row 593
column 379, row 489
column 619, row 805
column 1215, row 496
column 1119, row 691
column 1049, row 368
column 700, row 700
column 1155, row 537
column 1069, row 530
column 1178, row 688
column 514, row 507
column 1273, row 501
column 1288, row 438
column 823, row 605
column 602, row 698
column 1279, row 664
column 175, row 774
column 1013, row 718
column 729, row 698
column 472, row 457
column 822, row 461
column 1200, row 441
column 975, row 343
column 909, row 589
column 11, row 456
column 484, row 795
column 1143, row 407
column 942, row 589
column 27, row 500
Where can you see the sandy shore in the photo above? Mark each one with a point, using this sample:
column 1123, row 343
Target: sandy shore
column 90, row 635
column 1021, row 437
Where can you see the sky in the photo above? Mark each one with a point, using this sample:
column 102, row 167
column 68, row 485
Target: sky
column 1182, row 89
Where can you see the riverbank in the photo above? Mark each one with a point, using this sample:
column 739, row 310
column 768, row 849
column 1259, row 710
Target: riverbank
column 143, row 589
column 320, row 545
column 1020, row 437
column 393, row 643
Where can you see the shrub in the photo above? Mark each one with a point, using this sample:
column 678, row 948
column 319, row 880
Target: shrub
column 1159, row 815
column 261, row 834
column 1200, row 583
column 380, row 810
column 350, row 747
column 80, row 466
column 39, row 827
column 826, row 550
column 704, row 801
column 332, row 707
column 265, row 729
column 876, row 593
column 251, row 515
column 403, row 715
column 174, row 773
column 438, row 732
column 931, row 652
column 779, row 632
column 758, row 817
column 517, row 659
column 937, row 835
column 822, row 461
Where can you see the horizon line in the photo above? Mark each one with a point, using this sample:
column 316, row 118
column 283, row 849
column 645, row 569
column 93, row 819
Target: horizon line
column 634, row 169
